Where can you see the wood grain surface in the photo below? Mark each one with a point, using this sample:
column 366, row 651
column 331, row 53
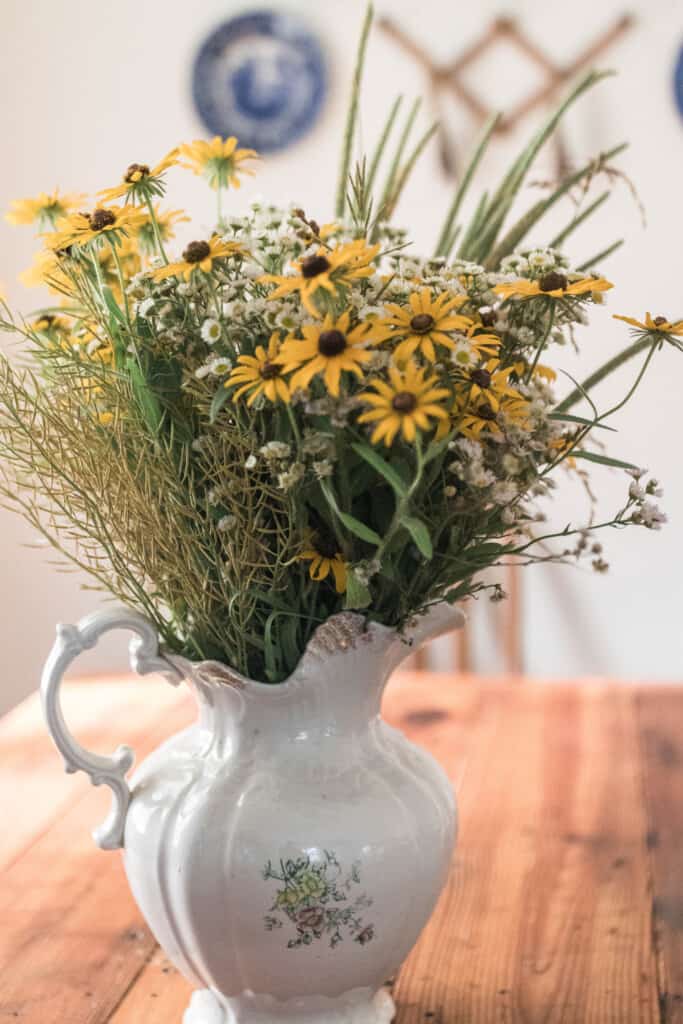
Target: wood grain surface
column 565, row 903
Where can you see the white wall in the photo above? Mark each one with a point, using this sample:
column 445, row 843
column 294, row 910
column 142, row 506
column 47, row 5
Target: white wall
column 89, row 87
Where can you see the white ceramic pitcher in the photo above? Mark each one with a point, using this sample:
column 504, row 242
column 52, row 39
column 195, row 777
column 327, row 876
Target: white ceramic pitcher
column 287, row 849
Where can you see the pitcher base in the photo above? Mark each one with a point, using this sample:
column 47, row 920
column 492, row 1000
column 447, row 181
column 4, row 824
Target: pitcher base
column 359, row 1006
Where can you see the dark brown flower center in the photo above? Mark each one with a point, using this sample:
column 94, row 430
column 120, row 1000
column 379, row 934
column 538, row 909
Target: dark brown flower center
column 311, row 266
column 485, row 412
column 488, row 318
column 196, row 252
column 270, row 370
column 326, row 546
column 659, row 320
column 331, row 343
column 101, row 219
column 552, row 282
column 404, row 402
column 422, row 323
column 142, row 170
column 481, row 377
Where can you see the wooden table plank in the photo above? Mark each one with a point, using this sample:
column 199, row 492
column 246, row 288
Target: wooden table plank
column 71, row 931
column 660, row 718
column 548, row 915
column 546, row 918
column 125, row 710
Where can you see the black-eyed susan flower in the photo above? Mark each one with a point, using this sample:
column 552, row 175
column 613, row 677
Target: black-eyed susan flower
column 408, row 402
column 490, row 383
column 657, row 323
column 426, row 323
column 141, row 181
column 554, row 285
column 330, row 349
column 220, row 161
column 325, row 558
column 46, row 209
column 200, row 255
column 260, row 374
column 326, row 270
column 480, row 416
column 111, row 222
column 50, row 323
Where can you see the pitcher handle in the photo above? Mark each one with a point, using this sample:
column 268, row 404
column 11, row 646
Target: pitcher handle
column 144, row 657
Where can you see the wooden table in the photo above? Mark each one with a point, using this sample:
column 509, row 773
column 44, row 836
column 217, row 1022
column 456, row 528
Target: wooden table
column 566, row 898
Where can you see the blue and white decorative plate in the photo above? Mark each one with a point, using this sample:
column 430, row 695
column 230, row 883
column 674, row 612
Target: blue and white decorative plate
column 262, row 77
column 678, row 82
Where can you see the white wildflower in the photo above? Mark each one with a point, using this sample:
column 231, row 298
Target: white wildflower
column 291, row 477
column 364, row 571
column 211, row 331
column 250, row 462
column 216, row 367
column 323, row 468
column 276, row 450
column 651, row 516
column 226, row 523
column 145, row 307
column 503, row 492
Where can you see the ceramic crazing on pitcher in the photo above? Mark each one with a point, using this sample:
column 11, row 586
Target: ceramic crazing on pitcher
column 288, row 848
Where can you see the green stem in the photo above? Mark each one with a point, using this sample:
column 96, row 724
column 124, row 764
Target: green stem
column 381, row 145
column 156, row 229
column 119, row 271
column 446, row 238
column 544, row 339
column 404, row 503
column 352, row 115
column 602, row 372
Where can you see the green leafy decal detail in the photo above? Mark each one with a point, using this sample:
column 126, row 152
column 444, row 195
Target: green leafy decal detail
column 315, row 901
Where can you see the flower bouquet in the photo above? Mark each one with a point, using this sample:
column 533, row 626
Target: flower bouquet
column 292, row 429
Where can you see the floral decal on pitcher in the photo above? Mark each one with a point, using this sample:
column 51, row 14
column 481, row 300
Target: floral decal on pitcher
column 317, row 899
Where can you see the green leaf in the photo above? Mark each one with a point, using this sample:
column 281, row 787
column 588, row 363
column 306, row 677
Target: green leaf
column 357, row 594
column 420, row 534
column 571, row 418
column 217, row 403
column 382, row 467
column 113, row 306
column 147, row 400
column 604, row 460
column 350, row 522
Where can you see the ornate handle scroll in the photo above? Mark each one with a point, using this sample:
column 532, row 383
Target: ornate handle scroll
column 144, row 658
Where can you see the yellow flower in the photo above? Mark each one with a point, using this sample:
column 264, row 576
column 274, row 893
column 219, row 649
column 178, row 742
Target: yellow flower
column 658, row 323
column 49, row 323
column 327, row 269
column 426, row 323
column 325, row 558
column 260, row 374
column 404, row 404
column 82, row 228
column 490, row 384
column 166, row 222
column 46, row 270
column 199, row 255
column 47, row 208
column 141, row 181
column 329, row 349
column 220, row 161
column 481, row 416
column 555, row 285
